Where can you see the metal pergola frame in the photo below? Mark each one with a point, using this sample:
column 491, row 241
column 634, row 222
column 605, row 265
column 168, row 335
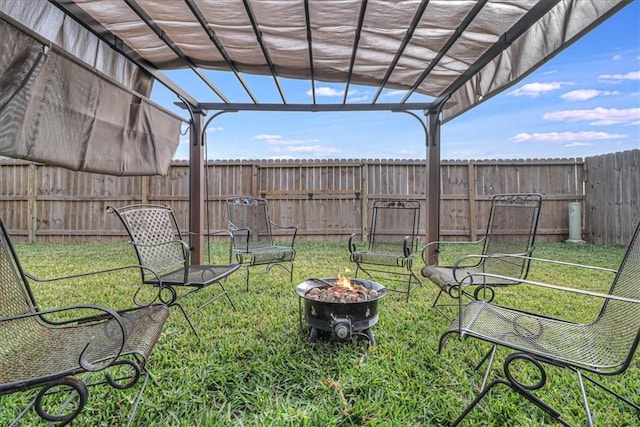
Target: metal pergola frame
column 197, row 162
column 432, row 111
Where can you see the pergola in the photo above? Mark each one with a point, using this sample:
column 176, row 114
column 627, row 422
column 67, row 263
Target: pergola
column 75, row 75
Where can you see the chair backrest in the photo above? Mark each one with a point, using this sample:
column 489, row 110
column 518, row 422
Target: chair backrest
column 392, row 221
column 156, row 237
column 249, row 218
column 513, row 221
column 617, row 328
column 15, row 294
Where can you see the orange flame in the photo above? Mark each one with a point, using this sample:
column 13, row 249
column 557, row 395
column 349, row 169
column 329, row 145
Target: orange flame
column 344, row 282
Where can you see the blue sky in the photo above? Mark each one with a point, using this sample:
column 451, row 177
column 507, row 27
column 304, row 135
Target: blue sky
column 583, row 102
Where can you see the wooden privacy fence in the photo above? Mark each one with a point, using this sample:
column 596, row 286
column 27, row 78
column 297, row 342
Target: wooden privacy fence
column 327, row 200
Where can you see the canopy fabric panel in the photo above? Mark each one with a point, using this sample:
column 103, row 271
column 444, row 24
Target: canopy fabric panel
column 556, row 30
column 459, row 52
column 59, row 111
column 46, row 20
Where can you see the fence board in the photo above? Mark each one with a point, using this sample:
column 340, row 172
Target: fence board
column 612, row 197
column 328, row 199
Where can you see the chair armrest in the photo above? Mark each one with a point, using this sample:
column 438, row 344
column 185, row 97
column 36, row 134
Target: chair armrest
column 209, row 233
column 105, row 314
column 352, row 246
column 437, row 243
column 478, row 278
column 469, row 279
column 106, row 271
column 218, row 232
column 568, row 289
column 243, row 232
column 288, row 228
column 408, row 248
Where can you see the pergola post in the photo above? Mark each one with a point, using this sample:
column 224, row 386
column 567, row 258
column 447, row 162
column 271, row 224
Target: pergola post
column 196, row 188
column 432, row 220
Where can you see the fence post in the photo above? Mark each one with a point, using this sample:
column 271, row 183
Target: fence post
column 471, row 195
column 146, row 189
column 254, row 180
column 32, row 204
column 364, row 197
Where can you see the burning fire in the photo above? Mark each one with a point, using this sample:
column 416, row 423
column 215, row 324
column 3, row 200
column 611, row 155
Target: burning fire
column 341, row 290
column 344, row 282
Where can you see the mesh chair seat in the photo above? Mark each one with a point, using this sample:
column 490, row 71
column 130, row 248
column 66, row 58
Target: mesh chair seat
column 381, row 259
column 583, row 345
column 444, row 278
column 268, row 254
column 54, row 350
column 198, row 276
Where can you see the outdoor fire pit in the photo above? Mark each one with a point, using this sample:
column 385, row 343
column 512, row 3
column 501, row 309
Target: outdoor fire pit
column 345, row 308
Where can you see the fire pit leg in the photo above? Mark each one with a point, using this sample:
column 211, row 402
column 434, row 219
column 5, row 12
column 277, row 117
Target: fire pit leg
column 313, row 335
column 368, row 334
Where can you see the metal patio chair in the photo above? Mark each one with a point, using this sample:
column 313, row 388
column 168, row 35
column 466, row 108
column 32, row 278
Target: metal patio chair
column 511, row 230
column 165, row 256
column 392, row 243
column 604, row 346
column 54, row 350
column 253, row 242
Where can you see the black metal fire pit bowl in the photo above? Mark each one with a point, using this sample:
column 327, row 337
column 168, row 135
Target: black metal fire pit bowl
column 343, row 320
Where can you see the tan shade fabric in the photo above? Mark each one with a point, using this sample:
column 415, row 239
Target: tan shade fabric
column 57, row 111
column 456, row 52
column 395, row 43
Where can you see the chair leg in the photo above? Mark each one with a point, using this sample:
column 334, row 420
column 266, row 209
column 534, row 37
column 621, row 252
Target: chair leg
column 410, row 287
column 605, row 388
column 79, row 387
column 136, row 403
column 435, row 302
column 523, row 389
column 226, row 294
column 477, row 400
column 438, row 308
column 186, row 316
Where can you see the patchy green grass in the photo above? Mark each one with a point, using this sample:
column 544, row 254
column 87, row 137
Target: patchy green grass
column 254, row 366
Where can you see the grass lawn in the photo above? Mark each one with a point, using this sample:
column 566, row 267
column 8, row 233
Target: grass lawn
column 254, row 366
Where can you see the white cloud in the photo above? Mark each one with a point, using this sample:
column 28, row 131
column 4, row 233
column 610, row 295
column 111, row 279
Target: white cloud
column 394, row 92
column 537, row 89
column 289, row 145
column 584, row 94
column 313, row 150
column 364, row 97
column 215, row 129
column 326, row 91
column 617, row 57
column 597, row 116
column 267, row 137
column 406, row 152
column 616, row 78
column 352, row 95
column 578, row 144
column 571, row 137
